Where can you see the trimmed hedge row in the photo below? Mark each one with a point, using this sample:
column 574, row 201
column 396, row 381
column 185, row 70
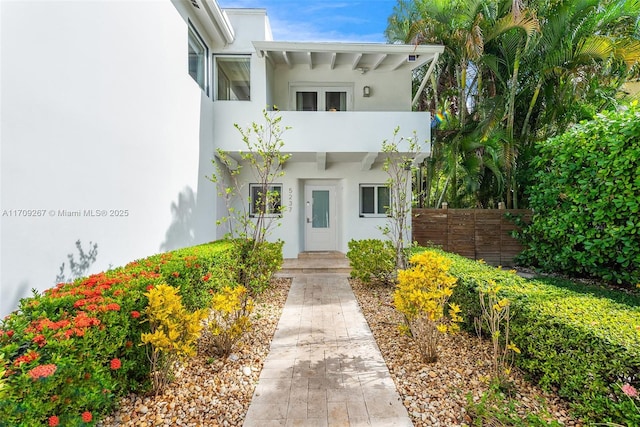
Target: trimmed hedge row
column 72, row 351
column 581, row 340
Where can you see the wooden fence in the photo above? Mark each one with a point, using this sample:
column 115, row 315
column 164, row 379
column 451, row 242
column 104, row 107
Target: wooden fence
column 473, row 233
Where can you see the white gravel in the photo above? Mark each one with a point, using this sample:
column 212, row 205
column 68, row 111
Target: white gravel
column 213, row 392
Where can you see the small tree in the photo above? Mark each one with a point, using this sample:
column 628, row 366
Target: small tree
column 255, row 218
column 251, row 220
column 398, row 166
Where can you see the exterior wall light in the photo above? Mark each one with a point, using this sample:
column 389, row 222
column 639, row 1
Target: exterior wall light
column 366, row 91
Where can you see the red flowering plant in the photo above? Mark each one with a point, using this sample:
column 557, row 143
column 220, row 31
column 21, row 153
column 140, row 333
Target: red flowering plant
column 67, row 349
column 71, row 351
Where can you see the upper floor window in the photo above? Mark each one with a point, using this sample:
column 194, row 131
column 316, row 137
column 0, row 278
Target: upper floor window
column 198, row 60
column 322, row 98
column 374, row 200
column 234, row 78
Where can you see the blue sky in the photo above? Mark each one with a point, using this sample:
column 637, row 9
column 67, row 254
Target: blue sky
column 323, row 20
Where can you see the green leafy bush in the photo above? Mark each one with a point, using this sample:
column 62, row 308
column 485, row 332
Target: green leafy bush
column 199, row 271
column 582, row 340
column 69, row 352
column 372, row 260
column 586, row 201
column 255, row 263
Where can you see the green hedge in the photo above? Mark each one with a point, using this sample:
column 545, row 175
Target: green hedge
column 73, row 350
column 586, row 201
column 583, row 341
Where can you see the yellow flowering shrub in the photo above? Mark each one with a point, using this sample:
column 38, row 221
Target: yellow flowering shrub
column 174, row 332
column 496, row 318
column 421, row 296
column 229, row 320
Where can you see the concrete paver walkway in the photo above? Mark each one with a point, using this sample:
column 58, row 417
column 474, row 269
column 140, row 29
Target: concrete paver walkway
column 324, row 367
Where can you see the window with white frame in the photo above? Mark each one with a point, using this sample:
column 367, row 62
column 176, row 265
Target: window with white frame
column 375, row 200
column 325, row 98
column 266, row 199
column 198, row 59
column 233, row 75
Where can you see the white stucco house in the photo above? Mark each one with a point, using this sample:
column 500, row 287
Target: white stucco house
column 111, row 113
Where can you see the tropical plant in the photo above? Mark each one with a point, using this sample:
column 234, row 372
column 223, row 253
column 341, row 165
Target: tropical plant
column 173, row 333
column 587, row 199
column 372, row 260
column 496, row 317
column 253, row 218
column 70, row 352
column 229, row 318
column 511, row 75
column 421, row 296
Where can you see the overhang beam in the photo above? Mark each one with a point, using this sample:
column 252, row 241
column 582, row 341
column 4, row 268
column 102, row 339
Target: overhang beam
column 321, row 161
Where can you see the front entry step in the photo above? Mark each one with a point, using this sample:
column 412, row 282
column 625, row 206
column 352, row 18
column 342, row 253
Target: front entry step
column 316, row 262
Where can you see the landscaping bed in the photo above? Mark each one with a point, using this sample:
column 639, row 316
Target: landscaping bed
column 436, row 394
column 210, row 391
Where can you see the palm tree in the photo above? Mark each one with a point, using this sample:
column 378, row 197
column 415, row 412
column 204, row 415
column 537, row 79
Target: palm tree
column 464, row 27
column 511, row 75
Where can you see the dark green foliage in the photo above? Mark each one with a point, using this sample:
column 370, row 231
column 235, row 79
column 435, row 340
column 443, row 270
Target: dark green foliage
column 586, row 201
column 255, row 263
column 199, row 271
column 372, row 260
column 579, row 339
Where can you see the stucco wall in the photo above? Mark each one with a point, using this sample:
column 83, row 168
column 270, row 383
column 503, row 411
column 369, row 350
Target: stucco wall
column 390, row 90
column 347, row 177
column 98, row 114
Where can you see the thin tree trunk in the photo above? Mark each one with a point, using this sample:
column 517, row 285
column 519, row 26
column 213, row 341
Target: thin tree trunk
column 510, row 152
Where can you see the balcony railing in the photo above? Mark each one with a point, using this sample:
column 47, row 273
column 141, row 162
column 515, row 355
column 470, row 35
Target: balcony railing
column 344, row 131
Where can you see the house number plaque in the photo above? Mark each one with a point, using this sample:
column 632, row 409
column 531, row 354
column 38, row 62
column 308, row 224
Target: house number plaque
column 290, row 199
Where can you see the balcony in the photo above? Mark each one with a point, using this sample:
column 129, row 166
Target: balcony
column 339, row 132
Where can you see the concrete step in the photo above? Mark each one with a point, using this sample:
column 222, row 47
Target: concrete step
column 316, row 262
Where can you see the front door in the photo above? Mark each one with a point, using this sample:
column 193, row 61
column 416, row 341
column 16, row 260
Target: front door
column 320, row 218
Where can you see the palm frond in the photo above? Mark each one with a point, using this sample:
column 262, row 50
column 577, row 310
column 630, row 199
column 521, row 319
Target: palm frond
column 628, row 50
column 594, row 48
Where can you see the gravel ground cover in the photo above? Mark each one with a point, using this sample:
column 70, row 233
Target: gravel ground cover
column 436, row 394
column 213, row 392
column 210, row 391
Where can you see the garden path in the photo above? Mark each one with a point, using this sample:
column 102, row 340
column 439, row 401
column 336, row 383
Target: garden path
column 324, row 367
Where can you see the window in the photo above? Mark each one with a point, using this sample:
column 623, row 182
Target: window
column 234, row 78
column 374, row 200
column 321, row 98
column 267, row 202
column 198, row 64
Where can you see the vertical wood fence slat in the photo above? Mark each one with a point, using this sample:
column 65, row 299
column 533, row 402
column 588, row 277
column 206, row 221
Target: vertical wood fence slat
column 473, row 233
